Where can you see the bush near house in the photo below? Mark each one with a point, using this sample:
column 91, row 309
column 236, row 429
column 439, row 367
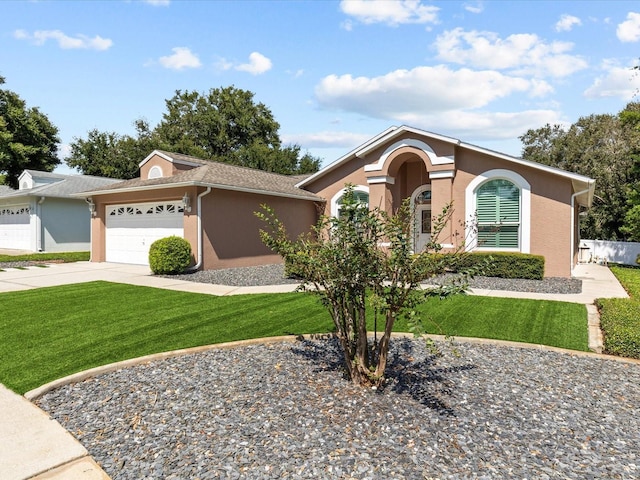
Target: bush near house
column 169, row 255
column 502, row 264
column 620, row 317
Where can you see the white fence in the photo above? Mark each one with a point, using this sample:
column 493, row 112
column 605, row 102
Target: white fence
column 604, row 251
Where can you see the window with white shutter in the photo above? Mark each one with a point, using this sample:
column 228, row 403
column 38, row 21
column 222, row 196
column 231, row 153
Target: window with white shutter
column 498, row 215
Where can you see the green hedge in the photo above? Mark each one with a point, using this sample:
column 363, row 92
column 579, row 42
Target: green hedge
column 494, row 264
column 620, row 324
column 620, row 317
column 169, row 255
column 501, row 264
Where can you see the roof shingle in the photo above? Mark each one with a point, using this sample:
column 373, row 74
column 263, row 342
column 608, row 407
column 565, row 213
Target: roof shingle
column 217, row 175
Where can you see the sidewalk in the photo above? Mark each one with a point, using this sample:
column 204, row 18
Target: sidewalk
column 33, row 446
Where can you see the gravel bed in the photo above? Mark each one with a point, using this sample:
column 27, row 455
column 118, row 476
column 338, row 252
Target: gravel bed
column 22, row 264
column 286, row 411
column 274, row 275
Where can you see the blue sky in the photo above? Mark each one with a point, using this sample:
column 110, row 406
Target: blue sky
column 334, row 73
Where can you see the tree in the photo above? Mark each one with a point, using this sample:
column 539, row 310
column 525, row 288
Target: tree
column 224, row 125
column 108, row 154
column 598, row 146
column 28, row 140
column 631, row 228
column 343, row 262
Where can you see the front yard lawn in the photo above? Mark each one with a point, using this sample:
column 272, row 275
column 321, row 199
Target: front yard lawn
column 64, row 257
column 52, row 332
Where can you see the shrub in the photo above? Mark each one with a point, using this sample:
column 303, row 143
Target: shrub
column 169, row 255
column 620, row 323
column 502, row 264
column 620, row 317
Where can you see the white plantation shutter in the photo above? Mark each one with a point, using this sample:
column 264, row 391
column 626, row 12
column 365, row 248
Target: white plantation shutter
column 498, row 211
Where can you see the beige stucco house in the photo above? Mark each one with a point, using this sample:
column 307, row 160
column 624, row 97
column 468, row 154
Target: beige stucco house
column 500, row 203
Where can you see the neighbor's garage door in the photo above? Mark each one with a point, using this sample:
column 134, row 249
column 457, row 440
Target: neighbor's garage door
column 15, row 227
column 132, row 228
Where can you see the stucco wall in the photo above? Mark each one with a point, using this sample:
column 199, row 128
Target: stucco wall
column 231, row 229
column 408, row 167
column 550, row 207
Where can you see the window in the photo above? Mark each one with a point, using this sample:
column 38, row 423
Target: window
column 360, row 193
column 498, row 215
column 155, row 172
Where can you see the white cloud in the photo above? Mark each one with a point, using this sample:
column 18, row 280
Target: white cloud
column 181, row 58
column 567, row 22
column 40, row 37
column 258, row 64
column 476, row 7
column 420, row 91
column 483, row 125
column 158, row 3
column 522, row 53
column 392, row 13
column 296, row 73
column 617, row 81
column 327, row 139
column 629, row 30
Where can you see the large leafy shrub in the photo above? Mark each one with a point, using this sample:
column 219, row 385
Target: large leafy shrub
column 358, row 260
column 169, row 255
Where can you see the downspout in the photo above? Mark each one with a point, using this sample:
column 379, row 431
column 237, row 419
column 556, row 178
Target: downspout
column 92, row 211
column 573, row 226
column 39, row 225
column 198, row 264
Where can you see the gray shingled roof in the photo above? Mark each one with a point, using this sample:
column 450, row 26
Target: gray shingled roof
column 65, row 186
column 5, row 189
column 217, row 175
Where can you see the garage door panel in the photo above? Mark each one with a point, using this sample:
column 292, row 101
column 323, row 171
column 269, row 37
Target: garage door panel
column 131, row 229
column 15, row 227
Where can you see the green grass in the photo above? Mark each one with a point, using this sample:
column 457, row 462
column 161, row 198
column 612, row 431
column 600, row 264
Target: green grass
column 557, row 324
column 65, row 257
column 629, row 277
column 52, row 332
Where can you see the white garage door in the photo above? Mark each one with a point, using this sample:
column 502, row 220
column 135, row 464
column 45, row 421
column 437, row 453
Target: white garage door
column 15, row 227
column 132, row 228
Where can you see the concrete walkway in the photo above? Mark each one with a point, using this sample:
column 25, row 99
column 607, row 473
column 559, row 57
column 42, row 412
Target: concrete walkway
column 33, row 446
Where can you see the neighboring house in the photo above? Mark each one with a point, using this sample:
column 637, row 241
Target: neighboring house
column 42, row 215
column 500, row 203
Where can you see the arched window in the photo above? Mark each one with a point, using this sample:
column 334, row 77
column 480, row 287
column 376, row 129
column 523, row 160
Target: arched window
column 360, row 193
column 155, row 172
column 498, row 214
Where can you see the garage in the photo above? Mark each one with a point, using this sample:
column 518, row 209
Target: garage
column 132, row 228
column 15, row 227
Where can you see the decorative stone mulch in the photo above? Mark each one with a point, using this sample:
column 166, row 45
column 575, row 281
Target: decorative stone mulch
column 286, row 411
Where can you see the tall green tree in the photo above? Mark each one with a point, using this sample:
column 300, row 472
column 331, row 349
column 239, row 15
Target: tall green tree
column 631, row 118
column 28, row 140
column 108, row 154
column 601, row 147
column 224, row 125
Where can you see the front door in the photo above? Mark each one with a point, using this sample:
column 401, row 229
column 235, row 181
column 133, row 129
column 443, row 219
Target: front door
column 422, row 227
column 422, row 217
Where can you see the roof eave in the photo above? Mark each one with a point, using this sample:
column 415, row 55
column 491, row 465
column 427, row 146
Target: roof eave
column 196, row 184
column 336, row 163
column 168, row 159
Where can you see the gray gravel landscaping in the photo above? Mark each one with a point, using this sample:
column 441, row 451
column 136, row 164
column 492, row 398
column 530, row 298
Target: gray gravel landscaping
column 286, row 411
column 274, row 275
